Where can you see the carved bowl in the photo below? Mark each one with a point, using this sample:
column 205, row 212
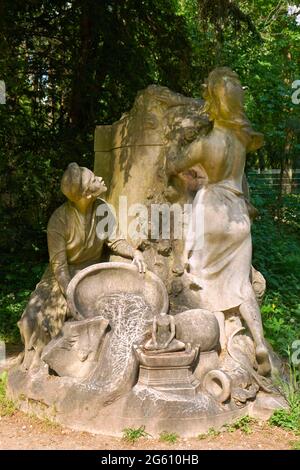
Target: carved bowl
column 103, row 279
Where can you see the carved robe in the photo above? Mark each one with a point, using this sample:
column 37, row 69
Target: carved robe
column 73, row 244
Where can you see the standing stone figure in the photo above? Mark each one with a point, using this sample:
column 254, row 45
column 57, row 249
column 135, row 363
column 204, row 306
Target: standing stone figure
column 73, row 244
column 221, row 264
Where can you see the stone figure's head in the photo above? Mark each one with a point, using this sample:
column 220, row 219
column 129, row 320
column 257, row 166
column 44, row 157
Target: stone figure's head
column 80, row 182
column 224, row 102
column 223, row 94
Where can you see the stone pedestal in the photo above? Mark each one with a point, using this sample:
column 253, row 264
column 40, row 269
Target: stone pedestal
column 168, row 372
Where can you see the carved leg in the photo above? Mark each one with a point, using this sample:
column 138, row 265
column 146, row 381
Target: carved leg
column 26, row 332
column 251, row 314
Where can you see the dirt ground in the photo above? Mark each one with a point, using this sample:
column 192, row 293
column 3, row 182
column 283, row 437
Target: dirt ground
column 25, row 432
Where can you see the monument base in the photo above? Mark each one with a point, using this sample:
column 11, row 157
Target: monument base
column 83, row 406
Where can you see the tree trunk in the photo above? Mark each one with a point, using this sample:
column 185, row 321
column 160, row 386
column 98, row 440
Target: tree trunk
column 84, row 93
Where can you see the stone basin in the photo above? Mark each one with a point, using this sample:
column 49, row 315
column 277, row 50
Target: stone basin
column 102, row 279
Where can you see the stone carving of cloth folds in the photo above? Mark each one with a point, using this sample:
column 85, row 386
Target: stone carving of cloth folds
column 221, row 261
column 73, row 244
column 221, row 256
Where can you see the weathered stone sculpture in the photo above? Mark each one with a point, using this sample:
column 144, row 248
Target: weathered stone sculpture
column 222, row 265
column 176, row 347
column 73, row 244
column 75, row 353
column 133, row 154
column 163, row 335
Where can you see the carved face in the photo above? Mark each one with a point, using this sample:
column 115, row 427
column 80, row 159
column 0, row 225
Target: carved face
column 80, row 182
column 92, row 185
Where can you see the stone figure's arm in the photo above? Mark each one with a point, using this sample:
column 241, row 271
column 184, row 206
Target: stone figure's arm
column 193, row 154
column 57, row 251
column 172, row 332
column 122, row 248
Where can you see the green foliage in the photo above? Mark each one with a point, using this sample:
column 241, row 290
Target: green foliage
column 289, row 418
column 11, row 308
column 68, row 66
column 290, row 214
column 169, row 437
column 210, row 433
column 244, row 424
column 7, row 407
column 276, row 254
column 296, row 445
column 133, row 434
column 18, row 281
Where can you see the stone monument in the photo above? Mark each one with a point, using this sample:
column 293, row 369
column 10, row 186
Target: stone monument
column 131, row 327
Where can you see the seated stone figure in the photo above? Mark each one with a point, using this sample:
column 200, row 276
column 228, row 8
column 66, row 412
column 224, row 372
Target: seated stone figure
column 74, row 243
column 163, row 335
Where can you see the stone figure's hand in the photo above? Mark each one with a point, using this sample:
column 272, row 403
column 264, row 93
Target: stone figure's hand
column 138, row 260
